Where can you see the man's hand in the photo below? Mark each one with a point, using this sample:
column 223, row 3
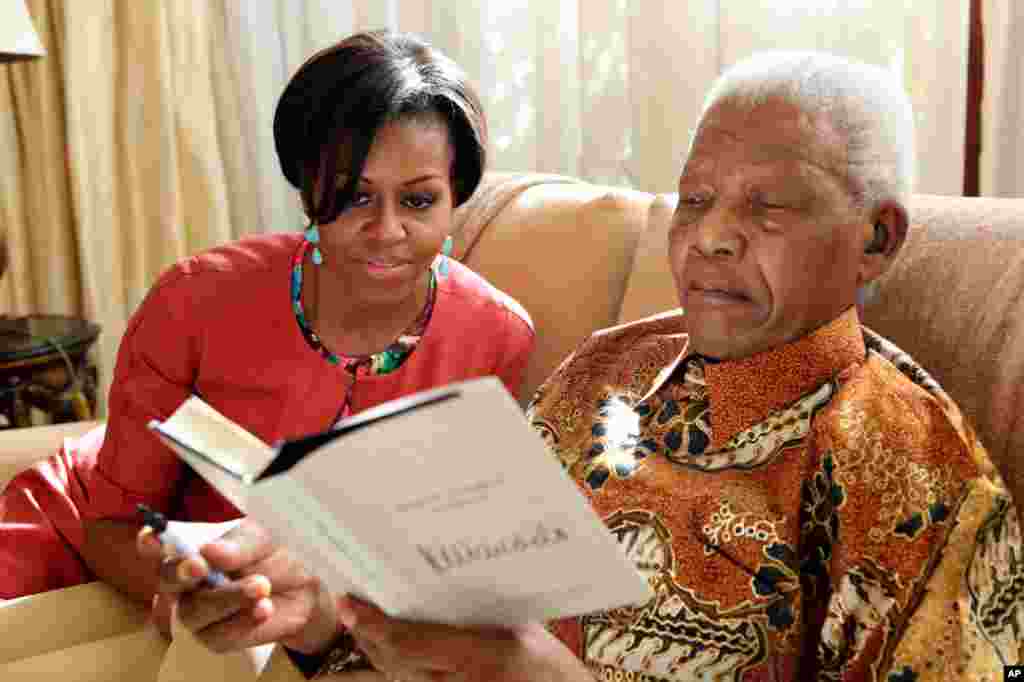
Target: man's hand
column 417, row 652
column 270, row 598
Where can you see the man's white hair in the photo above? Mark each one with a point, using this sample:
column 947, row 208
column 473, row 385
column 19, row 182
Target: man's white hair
column 865, row 103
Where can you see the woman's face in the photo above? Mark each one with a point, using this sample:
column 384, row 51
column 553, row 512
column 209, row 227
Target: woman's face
column 384, row 241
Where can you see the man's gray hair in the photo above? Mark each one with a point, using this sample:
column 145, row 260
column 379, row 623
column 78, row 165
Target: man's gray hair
column 865, row 103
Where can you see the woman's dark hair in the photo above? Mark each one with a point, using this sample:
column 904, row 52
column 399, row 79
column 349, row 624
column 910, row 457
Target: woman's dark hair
column 333, row 106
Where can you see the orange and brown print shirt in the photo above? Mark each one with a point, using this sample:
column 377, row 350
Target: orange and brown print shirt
column 820, row 511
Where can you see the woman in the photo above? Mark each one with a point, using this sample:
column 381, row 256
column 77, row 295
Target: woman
column 287, row 333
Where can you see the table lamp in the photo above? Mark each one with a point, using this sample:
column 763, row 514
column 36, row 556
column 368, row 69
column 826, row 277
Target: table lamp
column 18, row 38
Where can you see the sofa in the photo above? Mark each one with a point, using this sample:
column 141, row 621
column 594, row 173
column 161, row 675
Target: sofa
column 580, row 257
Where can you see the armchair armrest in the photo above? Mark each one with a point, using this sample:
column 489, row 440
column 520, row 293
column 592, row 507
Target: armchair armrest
column 21, row 448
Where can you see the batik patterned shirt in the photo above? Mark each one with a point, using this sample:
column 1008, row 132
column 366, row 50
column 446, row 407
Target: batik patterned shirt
column 820, row 511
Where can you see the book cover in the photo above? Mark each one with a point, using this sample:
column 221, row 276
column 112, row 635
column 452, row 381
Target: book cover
column 444, row 506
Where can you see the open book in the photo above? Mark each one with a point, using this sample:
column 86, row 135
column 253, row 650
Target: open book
column 443, row 506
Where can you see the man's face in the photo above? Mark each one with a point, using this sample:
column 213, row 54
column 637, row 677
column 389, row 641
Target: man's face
column 765, row 244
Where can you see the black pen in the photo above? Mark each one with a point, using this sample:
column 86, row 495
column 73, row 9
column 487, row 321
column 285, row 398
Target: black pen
column 163, row 532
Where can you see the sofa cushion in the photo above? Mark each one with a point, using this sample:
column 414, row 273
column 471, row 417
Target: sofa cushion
column 564, row 252
column 650, row 289
column 38, row 625
column 21, row 448
column 955, row 301
column 495, row 192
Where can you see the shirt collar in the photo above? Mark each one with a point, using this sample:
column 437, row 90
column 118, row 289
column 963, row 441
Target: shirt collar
column 743, row 392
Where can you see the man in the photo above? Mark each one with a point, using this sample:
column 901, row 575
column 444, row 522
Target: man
column 806, row 502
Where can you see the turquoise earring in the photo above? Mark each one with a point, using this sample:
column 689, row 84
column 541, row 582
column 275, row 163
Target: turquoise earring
column 313, row 237
column 446, row 251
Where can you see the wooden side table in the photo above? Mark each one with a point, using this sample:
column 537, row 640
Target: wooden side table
column 44, row 364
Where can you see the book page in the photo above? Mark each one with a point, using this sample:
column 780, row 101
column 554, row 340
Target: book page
column 454, row 512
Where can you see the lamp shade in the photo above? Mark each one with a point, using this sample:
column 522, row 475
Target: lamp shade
column 18, row 38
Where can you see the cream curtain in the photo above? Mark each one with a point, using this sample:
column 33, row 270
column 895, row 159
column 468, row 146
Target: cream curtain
column 145, row 134
column 36, row 213
column 1002, row 139
column 118, row 148
column 609, row 89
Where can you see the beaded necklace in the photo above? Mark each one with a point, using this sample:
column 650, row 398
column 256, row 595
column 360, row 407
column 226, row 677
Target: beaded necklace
column 384, row 362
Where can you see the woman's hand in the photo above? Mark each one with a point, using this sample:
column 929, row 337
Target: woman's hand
column 271, row 597
column 417, row 652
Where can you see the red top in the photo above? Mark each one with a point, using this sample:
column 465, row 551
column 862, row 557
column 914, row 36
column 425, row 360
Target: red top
column 221, row 325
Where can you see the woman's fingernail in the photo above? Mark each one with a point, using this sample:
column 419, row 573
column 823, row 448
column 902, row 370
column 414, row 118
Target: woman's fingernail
column 347, row 616
column 263, row 609
column 257, row 587
column 147, row 540
column 229, row 546
column 190, row 570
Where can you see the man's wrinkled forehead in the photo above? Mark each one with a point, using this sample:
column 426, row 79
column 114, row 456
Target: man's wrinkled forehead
column 774, row 131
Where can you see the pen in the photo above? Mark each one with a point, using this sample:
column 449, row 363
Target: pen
column 163, row 532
